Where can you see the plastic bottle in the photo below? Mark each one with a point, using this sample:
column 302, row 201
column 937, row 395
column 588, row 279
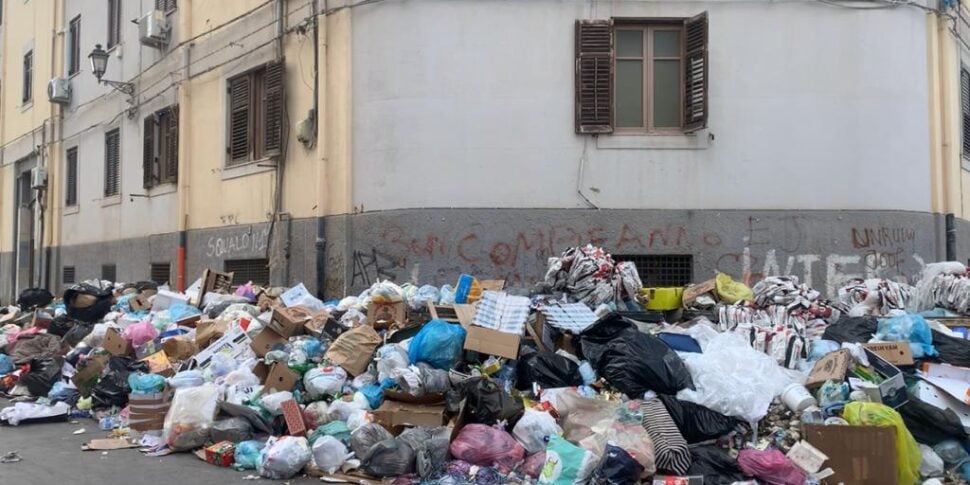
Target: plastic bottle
column 108, row 423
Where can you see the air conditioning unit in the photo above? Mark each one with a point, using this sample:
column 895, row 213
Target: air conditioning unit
column 153, row 29
column 38, row 178
column 59, row 91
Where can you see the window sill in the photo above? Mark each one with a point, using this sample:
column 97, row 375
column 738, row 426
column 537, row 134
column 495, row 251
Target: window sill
column 695, row 141
column 71, row 210
column 74, row 75
column 249, row 168
column 965, row 163
column 162, row 189
column 111, row 200
column 26, row 106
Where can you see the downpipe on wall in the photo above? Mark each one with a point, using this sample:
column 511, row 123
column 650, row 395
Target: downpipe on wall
column 951, row 237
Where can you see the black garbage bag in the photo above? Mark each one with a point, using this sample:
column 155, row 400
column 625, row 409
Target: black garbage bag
column 88, row 303
column 547, row 369
column 851, row 329
column 715, row 465
column 389, row 458
column 366, row 436
column 632, row 361
column 32, row 298
column 930, row 424
column 953, row 351
column 76, row 334
column 617, row 468
column 487, row 403
column 231, row 429
column 113, row 389
column 697, row 423
column 430, row 447
column 61, row 325
column 43, row 373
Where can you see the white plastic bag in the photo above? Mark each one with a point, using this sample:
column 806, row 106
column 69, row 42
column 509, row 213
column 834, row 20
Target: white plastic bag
column 329, row 454
column 533, row 428
column 190, row 416
column 23, row 411
column 242, row 377
column 932, row 464
column 733, row 379
column 324, row 381
column 316, row 414
column 284, row 457
column 274, row 402
column 342, row 410
column 389, row 358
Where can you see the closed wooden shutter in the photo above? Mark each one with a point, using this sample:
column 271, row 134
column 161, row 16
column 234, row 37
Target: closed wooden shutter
column 695, row 73
column 70, row 197
column 172, row 145
column 965, row 110
column 239, row 127
column 594, row 76
column 148, row 154
column 114, row 22
column 275, row 107
column 111, row 162
column 165, row 5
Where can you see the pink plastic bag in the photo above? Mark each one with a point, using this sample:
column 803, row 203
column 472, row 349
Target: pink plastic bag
column 139, row 333
column 533, row 464
column 770, row 466
column 247, row 291
column 483, row 445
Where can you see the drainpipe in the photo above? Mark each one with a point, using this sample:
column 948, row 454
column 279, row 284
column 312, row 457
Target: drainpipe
column 949, row 183
column 321, row 242
column 951, row 237
column 185, row 135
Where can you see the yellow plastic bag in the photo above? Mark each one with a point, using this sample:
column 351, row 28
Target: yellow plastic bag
column 907, row 451
column 730, row 291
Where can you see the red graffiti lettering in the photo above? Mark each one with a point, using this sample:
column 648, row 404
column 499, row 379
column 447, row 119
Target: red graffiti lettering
column 595, row 236
column 465, row 256
column 501, row 254
column 628, row 236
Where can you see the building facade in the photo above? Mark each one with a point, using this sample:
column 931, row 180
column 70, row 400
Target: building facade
column 337, row 142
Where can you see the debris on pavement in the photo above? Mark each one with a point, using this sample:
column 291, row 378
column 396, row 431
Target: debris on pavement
column 11, row 457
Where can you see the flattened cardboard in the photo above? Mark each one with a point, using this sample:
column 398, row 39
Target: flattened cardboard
column 108, row 444
column 412, row 399
column 896, row 353
column 692, row 292
column 492, row 285
column 950, row 378
column 207, row 331
column 892, row 391
column 394, row 414
column 859, row 455
column 386, row 315
column 465, row 314
column 277, row 377
column 832, row 366
column 266, row 340
column 115, row 344
column 492, row 342
column 288, row 322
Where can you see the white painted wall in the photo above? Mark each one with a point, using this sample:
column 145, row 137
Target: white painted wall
column 469, row 103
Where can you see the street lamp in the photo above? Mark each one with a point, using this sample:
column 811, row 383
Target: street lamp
column 99, row 63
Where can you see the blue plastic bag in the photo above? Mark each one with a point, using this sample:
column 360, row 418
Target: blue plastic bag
column 374, row 395
column 182, row 311
column 912, row 328
column 247, row 455
column 63, row 392
column 439, row 343
column 6, row 365
column 141, row 383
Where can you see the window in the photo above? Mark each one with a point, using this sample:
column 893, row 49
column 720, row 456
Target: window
column 965, row 110
column 1, row 12
column 67, row 274
column 662, row 270
column 160, row 160
column 74, row 46
column 28, row 78
column 641, row 76
column 109, row 272
column 111, row 162
column 161, row 273
column 114, row 23
column 70, row 195
column 165, row 5
column 256, row 104
column 245, row 270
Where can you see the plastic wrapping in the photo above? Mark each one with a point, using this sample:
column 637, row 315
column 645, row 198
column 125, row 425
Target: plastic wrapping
column 316, row 414
column 329, row 454
column 231, row 429
column 27, row 411
column 695, row 422
column 533, row 429
column 337, row 429
column 324, row 381
column 547, row 369
column 141, row 383
column 438, row 343
column 488, row 403
column 190, row 416
column 430, row 447
column 730, row 291
column 770, row 466
column 341, row 410
column 876, row 414
column 532, row 467
column 42, row 375
column 389, row 458
column 566, row 464
column 140, row 333
column 931, row 465
column 241, row 377
column 389, row 358
column 273, row 402
column 366, row 436
column 112, row 389
column 87, row 303
column 187, row 378
column 953, row 351
column 247, row 455
column 483, row 445
column 734, row 379
column 930, row 424
column 911, row 328
column 426, row 294
column 64, row 393
column 617, row 467
column 284, row 457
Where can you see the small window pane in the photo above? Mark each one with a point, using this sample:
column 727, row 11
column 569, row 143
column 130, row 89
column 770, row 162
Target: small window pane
column 666, row 43
column 666, row 94
column 629, row 43
column 629, row 93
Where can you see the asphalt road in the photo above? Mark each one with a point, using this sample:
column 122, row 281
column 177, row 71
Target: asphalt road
column 52, row 456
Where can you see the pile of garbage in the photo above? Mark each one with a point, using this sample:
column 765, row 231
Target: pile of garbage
column 571, row 382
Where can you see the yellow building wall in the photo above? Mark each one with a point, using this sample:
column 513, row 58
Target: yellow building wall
column 335, row 130
column 943, row 76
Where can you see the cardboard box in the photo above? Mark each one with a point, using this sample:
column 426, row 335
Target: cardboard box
column 235, row 343
column 278, row 376
column 293, row 417
column 394, row 415
column 165, row 299
column 896, row 353
column 386, row 315
column 115, row 344
column 492, row 342
column 222, row 453
column 89, row 372
column 267, row 303
column 288, row 322
column 158, row 363
column 213, row 282
column 950, row 378
column 266, row 340
column 146, row 412
column 179, row 348
column 832, row 366
column 412, row 399
column 892, row 391
column 693, row 291
column 207, row 331
column 859, row 455
column 141, row 302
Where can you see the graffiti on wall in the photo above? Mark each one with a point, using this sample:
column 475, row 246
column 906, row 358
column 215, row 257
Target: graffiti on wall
column 241, row 243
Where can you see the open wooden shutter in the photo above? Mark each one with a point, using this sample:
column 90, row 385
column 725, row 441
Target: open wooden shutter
column 965, row 110
column 70, row 198
column 172, row 142
column 238, row 146
column 112, row 163
column 148, row 154
column 695, row 74
column 275, row 107
column 594, row 76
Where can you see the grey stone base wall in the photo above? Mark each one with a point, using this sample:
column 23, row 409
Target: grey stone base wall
column 823, row 248
column 6, row 278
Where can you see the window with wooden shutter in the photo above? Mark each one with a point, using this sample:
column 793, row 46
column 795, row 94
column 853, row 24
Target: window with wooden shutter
column 165, row 5
column 70, row 194
column 239, row 113
column 74, row 46
column 257, row 110
column 160, row 157
column 965, row 110
column 275, row 108
column 114, row 23
column 695, row 73
column 594, row 76
column 112, row 162
column 170, row 166
column 149, row 157
column 28, row 78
